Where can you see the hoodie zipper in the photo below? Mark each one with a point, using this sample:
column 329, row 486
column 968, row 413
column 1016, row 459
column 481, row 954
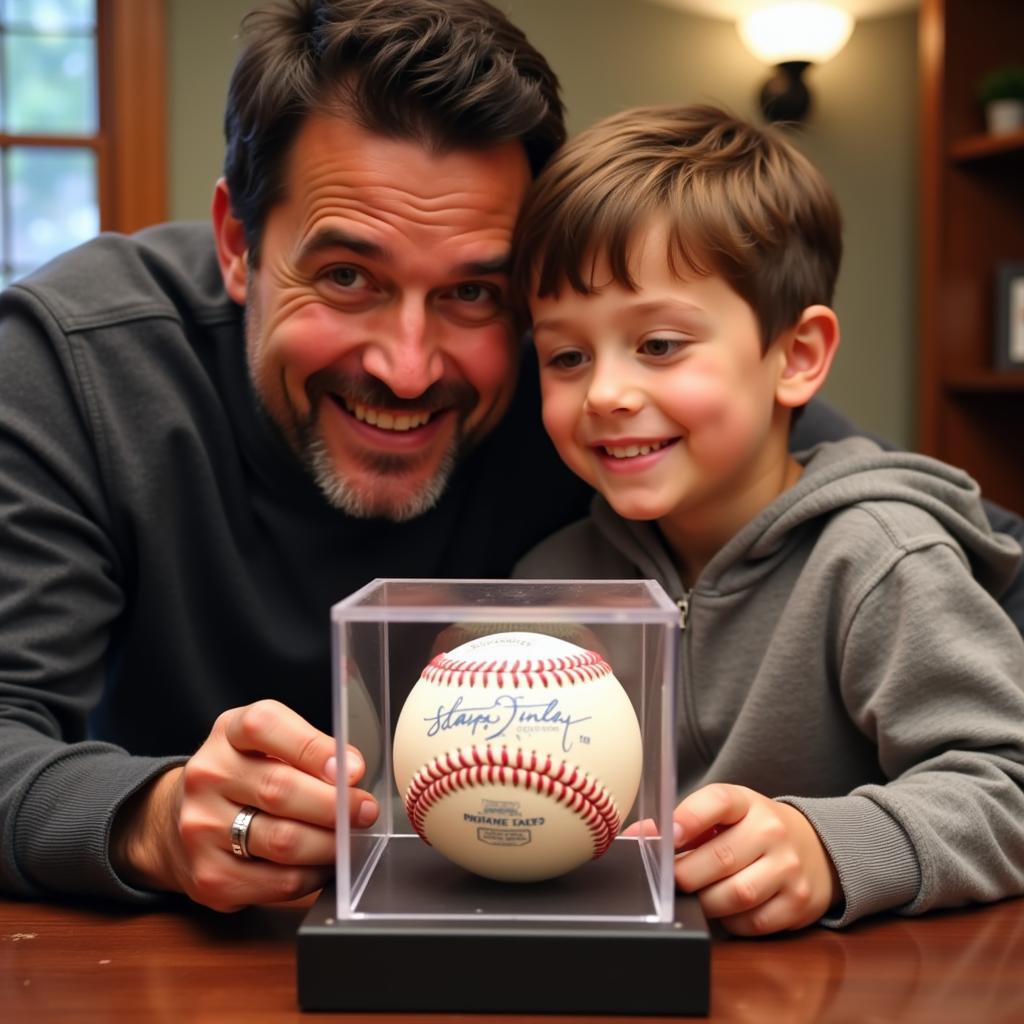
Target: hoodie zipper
column 683, row 604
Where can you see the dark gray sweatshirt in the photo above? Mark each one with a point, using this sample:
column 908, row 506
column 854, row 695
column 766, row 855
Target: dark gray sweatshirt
column 845, row 652
column 164, row 556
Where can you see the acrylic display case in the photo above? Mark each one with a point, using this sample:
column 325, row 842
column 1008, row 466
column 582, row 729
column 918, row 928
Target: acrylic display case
column 458, row 935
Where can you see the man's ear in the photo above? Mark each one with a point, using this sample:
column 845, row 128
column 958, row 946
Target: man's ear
column 232, row 248
column 806, row 352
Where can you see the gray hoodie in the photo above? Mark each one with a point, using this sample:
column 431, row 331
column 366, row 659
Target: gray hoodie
column 845, row 652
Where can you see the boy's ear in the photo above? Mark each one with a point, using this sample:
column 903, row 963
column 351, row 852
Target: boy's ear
column 806, row 352
column 232, row 248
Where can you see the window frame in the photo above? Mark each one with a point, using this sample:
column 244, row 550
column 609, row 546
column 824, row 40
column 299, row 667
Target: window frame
column 132, row 44
column 131, row 141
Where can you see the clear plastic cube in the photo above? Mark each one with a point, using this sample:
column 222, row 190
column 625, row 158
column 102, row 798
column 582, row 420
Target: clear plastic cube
column 386, row 633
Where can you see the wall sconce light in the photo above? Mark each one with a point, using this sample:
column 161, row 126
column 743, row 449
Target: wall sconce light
column 793, row 36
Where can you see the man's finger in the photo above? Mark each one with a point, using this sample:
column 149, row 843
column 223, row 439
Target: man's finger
column 239, row 885
column 363, row 808
column 355, row 766
column 284, row 841
column 273, row 729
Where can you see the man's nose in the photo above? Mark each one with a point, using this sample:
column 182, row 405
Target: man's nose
column 405, row 355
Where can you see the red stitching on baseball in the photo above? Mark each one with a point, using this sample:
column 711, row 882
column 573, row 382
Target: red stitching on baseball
column 568, row 671
column 465, row 768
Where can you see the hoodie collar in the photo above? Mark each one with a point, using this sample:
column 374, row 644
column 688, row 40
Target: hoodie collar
column 836, row 475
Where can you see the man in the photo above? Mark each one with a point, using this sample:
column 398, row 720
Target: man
column 205, row 443
column 182, row 505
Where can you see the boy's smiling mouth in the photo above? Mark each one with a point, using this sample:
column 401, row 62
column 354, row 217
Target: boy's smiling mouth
column 632, row 449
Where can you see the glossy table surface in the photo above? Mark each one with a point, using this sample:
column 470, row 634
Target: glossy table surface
column 87, row 965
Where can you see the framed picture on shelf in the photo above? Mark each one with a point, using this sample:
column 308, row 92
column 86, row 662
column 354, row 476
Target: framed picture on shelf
column 1009, row 354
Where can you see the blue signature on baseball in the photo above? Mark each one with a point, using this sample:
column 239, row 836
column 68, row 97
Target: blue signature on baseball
column 507, row 711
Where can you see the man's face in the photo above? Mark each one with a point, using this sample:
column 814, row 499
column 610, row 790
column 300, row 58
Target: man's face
column 377, row 328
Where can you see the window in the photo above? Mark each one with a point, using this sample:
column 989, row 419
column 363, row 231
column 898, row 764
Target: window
column 82, row 124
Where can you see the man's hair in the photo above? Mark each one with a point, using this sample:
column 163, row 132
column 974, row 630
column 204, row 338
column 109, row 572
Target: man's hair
column 444, row 73
column 738, row 201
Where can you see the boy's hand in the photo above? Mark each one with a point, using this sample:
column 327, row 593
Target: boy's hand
column 756, row 864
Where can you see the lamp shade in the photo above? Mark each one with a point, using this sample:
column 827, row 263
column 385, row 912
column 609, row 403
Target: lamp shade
column 812, row 32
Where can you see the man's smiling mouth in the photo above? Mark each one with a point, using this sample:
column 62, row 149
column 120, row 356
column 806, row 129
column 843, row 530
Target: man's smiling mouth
column 386, row 419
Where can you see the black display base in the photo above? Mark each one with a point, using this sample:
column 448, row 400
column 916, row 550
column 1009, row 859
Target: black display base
column 501, row 966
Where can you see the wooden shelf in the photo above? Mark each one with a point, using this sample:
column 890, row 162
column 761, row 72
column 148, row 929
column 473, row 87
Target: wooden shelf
column 986, row 382
column 986, row 147
column 971, row 222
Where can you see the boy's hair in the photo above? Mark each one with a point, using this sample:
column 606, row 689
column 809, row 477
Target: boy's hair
column 739, row 201
column 444, row 73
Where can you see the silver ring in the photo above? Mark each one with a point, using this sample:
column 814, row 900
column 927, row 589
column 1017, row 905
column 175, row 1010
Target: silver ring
column 240, row 832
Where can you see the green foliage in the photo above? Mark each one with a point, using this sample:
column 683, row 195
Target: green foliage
column 1005, row 83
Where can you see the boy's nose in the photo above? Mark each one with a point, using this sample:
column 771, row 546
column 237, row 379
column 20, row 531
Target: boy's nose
column 405, row 357
column 610, row 392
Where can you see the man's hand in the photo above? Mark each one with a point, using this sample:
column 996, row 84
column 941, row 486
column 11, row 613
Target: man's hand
column 756, row 864
column 176, row 833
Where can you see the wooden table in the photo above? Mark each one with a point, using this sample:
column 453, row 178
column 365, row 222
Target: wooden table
column 88, row 966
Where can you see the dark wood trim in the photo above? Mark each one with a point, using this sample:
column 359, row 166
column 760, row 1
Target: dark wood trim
column 986, row 383
column 133, row 113
column 43, row 141
column 982, row 147
column 931, row 53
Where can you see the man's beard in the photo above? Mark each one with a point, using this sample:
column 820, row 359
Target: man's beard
column 302, row 433
column 365, row 501
column 358, row 502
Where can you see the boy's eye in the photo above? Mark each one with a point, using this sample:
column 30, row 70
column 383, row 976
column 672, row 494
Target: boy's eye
column 567, row 360
column 659, row 347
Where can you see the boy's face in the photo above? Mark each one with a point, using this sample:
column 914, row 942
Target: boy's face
column 662, row 398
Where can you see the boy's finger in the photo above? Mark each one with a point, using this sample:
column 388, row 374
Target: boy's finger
column 717, row 805
column 714, row 863
column 744, row 892
column 684, row 845
column 647, row 828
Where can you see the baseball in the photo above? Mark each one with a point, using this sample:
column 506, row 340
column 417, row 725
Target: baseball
column 518, row 755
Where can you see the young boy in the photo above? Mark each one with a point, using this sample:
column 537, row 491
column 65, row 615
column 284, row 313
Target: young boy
column 851, row 694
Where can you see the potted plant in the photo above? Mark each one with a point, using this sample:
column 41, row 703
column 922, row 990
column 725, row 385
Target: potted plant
column 1001, row 93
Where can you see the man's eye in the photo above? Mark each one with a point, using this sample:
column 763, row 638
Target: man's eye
column 660, row 346
column 346, row 277
column 473, row 301
column 471, row 293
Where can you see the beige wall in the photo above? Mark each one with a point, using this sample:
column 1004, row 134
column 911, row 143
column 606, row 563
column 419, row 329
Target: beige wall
column 612, row 54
